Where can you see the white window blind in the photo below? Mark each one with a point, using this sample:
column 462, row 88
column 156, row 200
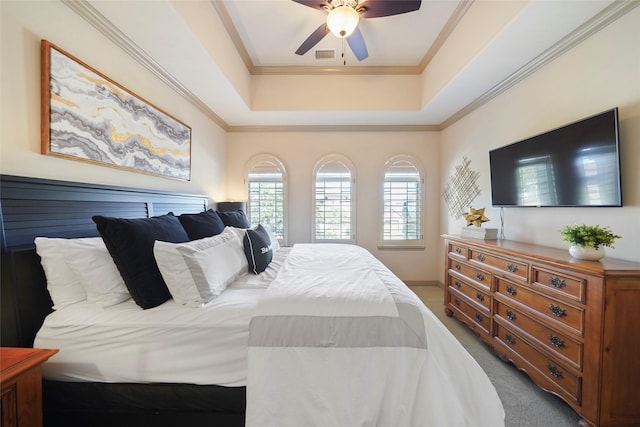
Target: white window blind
column 333, row 202
column 266, row 197
column 402, row 202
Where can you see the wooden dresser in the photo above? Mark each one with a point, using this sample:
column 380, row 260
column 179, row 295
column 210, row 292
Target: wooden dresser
column 573, row 326
column 21, row 382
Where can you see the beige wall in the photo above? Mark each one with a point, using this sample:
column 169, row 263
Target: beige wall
column 600, row 73
column 24, row 24
column 368, row 151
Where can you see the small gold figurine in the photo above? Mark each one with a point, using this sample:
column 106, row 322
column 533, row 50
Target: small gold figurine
column 475, row 217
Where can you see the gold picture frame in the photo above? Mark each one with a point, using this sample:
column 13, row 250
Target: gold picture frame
column 87, row 116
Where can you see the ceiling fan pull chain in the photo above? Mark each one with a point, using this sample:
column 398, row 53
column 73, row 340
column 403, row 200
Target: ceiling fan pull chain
column 344, row 60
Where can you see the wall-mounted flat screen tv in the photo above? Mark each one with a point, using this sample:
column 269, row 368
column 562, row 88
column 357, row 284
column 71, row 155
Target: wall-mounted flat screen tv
column 574, row 165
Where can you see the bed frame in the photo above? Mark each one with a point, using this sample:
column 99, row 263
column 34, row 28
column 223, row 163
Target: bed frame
column 31, row 207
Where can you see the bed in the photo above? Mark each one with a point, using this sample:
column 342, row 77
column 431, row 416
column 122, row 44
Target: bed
column 323, row 335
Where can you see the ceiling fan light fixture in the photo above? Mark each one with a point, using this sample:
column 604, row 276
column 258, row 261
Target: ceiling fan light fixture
column 342, row 21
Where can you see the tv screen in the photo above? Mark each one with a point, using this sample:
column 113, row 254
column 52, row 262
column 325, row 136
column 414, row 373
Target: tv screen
column 574, row 165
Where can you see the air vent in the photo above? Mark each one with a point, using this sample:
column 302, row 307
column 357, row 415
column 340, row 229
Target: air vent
column 325, row 54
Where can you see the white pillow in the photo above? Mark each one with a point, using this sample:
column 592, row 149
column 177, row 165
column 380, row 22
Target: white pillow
column 80, row 269
column 63, row 285
column 198, row 271
column 94, row 266
column 240, row 232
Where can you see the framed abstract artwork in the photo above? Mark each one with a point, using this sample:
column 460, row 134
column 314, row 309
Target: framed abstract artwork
column 87, row 116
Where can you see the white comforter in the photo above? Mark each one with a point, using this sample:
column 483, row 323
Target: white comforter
column 338, row 340
column 170, row 343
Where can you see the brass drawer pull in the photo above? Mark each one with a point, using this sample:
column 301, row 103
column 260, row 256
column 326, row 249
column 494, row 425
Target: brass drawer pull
column 510, row 314
column 511, row 290
column 557, row 282
column 557, row 310
column 511, row 340
column 512, row 267
column 556, row 341
column 479, row 317
column 480, row 276
column 554, row 371
column 457, row 266
column 457, row 284
column 458, row 250
column 480, row 257
column 456, row 301
column 479, row 296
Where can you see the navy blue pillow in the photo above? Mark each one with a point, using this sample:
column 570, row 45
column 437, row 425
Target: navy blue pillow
column 236, row 219
column 130, row 243
column 201, row 225
column 257, row 248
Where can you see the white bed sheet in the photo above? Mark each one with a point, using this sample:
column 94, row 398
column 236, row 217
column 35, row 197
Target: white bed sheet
column 169, row 343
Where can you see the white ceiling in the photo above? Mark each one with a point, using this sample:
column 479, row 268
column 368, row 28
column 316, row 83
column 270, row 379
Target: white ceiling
column 234, row 59
column 272, row 30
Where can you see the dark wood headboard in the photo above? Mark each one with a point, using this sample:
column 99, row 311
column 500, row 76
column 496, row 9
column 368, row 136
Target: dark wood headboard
column 32, row 207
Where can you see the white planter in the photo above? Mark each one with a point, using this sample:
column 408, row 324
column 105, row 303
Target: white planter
column 586, row 252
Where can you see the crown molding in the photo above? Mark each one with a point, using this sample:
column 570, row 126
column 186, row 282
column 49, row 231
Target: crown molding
column 608, row 15
column 224, row 16
column 337, row 128
column 444, row 34
column 106, row 27
column 343, row 71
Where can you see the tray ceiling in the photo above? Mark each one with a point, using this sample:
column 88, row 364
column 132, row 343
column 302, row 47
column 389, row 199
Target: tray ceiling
column 234, row 59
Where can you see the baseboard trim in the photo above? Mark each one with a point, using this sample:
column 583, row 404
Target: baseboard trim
column 416, row 283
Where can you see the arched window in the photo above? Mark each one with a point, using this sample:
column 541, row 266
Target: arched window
column 266, row 190
column 403, row 187
column 334, row 199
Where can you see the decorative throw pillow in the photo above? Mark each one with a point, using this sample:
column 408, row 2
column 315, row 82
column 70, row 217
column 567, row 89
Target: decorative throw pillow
column 198, row 271
column 201, row 225
column 130, row 243
column 257, row 248
column 63, row 285
column 275, row 244
column 234, row 219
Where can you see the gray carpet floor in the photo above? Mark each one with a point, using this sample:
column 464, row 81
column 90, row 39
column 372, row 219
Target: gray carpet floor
column 525, row 404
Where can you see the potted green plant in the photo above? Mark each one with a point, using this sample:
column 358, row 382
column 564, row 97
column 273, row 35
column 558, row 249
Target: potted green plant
column 587, row 241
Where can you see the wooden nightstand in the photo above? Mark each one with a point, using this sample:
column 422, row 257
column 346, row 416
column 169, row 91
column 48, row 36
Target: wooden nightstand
column 21, row 383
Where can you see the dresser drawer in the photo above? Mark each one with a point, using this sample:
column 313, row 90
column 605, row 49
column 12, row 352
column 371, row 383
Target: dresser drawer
column 479, row 277
column 561, row 345
column 458, row 250
column 507, row 265
column 473, row 293
column 477, row 319
column 559, row 283
column 562, row 380
column 550, row 308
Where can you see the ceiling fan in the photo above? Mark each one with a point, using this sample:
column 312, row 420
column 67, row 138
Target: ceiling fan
column 344, row 16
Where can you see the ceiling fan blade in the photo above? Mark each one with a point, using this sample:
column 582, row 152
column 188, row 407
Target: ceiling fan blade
column 313, row 39
column 379, row 8
column 357, row 44
column 316, row 4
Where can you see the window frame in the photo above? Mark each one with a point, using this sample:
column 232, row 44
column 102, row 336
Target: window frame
column 279, row 165
column 325, row 160
column 402, row 243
